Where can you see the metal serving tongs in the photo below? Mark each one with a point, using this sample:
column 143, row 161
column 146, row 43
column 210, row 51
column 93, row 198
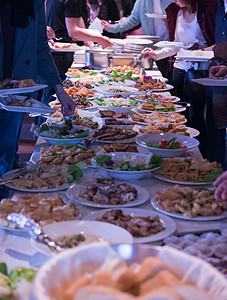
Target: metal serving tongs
column 35, row 231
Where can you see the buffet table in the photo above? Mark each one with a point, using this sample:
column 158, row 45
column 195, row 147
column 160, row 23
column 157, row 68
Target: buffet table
column 17, row 250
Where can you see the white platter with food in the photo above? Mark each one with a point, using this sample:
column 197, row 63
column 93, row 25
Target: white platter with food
column 178, row 109
column 127, row 165
column 23, row 90
column 73, row 193
column 163, row 178
column 51, row 134
column 161, row 209
column 154, row 139
column 169, row 224
column 110, row 91
column 172, row 99
column 24, row 104
column 118, row 105
column 115, row 82
column 168, row 87
column 196, row 56
column 94, row 232
column 64, row 47
column 211, row 81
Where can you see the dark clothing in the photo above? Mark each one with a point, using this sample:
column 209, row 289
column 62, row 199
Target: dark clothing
column 221, row 24
column 8, row 33
column 57, row 11
column 206, row 18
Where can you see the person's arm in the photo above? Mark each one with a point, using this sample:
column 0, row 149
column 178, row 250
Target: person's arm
column 128, row 23
column 82, row 34
column 46, row 68
column 218, row 71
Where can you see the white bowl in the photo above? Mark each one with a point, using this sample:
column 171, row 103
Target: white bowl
column 108, row 233
column 127, row 83
column 125, row 175
column 156, row 138
column 105, row 90
column 56, row 141
column 66, row 268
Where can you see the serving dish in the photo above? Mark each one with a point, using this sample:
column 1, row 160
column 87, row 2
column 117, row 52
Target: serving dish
column 155, row 138
column 118, row 105
column 110, row 91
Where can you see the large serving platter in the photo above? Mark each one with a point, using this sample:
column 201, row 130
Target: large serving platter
column 108, row 233
column 161, row 209
column 23, row 90
column 169, row 44
column 142, row 196
column 64, row 47
column 211, row 81
column 179, row 108
column 170, row 225
column 196, row 56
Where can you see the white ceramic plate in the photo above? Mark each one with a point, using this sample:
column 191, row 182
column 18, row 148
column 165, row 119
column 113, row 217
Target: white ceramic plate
column 156, row 138
column 168, row 44
column 211, row 81
column 171, row 99
column 30, row 190
column 56, row 141
column 163, row 178
column 68, row 47
column 23, row 90
column 41, row 108
column 142, row 196
column 196, row 55
column 127, row 82
column 105, row 90
column 168, row 87
column 125, row 175
column 170, row 225
column 161, row 209
column 179, row 108
column 110, row 233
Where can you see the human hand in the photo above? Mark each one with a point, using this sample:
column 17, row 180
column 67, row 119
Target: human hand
column 218, row 71
column 149, row 53
column 50, row 33
column 195, row 46
column 221, row 191
column 105, row 24
column 88, row 44
column 67, row 104
column 105, row 41
column 122, row 19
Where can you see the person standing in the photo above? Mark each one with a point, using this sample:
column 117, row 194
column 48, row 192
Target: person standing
column 24, row 54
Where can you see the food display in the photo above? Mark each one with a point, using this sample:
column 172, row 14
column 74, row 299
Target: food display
column 129, row 162
column 61, row 132
column 148, row 83
column 157, row 98
column 70, row 154
column 169, row 128
column 67, row 84
column 82, row 92
column 47, row 176
column 109, row 134
column 81, row 72
column 191, row 202
column 210, row 246
column 106, row 191
column 12, row 84
column 136, row 225
column 42, row 209
column 171, row 144
column 123, row 69
column 156, row 117
column 71, row 241
column 77, row 120
column 120, row 148
column 159, row 107
column 116, row 102
column 112, row 114
column 118, row 122
column 12, row 100
column 189, row 169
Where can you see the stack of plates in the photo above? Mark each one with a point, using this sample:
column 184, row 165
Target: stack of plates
column 137, row 44
column 80, row 57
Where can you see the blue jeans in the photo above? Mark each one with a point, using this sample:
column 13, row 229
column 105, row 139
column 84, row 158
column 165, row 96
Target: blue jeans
column 10, row 125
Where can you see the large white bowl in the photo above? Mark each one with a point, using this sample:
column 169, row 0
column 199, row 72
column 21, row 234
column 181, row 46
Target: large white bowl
column 127, row 83
column 105, row 90
column 66, row 268
column 110, row 233
column 125, row 175
column 121, row 109
column 156, row 138
column 55, row 141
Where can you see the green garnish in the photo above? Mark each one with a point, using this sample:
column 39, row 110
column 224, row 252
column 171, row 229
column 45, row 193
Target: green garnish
column 212, row 176
column 76, row 172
